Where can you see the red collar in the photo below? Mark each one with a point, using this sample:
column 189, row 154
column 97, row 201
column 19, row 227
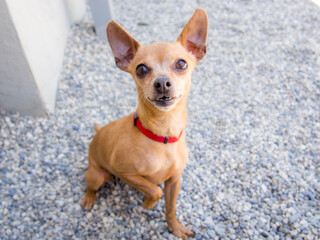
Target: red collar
column 151, row 135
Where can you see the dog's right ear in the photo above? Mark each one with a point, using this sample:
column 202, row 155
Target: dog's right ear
column 122, row 44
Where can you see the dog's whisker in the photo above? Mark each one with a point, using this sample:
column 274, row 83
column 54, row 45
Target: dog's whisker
column 142, row 96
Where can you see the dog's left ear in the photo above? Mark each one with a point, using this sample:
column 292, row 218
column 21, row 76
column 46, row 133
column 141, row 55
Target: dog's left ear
column 194, row 35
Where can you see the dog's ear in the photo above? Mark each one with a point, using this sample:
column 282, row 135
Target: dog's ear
column 194, row 35
column 122, row 44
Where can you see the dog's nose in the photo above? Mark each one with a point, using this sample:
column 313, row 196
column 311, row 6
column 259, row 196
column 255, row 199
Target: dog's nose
column 162, row 84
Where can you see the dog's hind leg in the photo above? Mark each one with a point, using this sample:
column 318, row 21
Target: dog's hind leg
column 95, row 177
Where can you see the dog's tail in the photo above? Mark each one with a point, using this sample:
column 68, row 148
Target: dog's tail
column 96, row 127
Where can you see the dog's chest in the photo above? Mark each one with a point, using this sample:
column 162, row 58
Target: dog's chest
column 158, row 166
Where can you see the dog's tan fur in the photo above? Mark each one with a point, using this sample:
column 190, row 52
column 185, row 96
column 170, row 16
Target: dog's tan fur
column 120, row 149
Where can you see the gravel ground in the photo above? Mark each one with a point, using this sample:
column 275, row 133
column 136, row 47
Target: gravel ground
column 253, row 132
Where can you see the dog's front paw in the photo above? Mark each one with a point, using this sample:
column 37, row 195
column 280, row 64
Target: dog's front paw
column 88, row 200
column 180, row 231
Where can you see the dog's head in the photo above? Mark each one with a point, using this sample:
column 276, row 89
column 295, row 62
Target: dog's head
column 162, row 71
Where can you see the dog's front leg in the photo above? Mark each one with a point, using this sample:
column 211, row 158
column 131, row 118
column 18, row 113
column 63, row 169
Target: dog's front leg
column 152, row 193
column 171, row 191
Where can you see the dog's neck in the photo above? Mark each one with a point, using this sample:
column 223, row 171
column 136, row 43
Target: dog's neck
column 163, row 123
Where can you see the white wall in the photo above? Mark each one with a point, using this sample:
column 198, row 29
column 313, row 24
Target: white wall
column 316, row 2
column 33, row 35
column 101, row 14
column 18, row 90
column 77, row 9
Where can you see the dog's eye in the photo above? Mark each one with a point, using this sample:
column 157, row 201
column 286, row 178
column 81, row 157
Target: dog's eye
column 142, row 70
column 181, row 64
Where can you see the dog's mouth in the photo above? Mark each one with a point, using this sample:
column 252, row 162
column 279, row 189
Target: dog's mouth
column 164, row 101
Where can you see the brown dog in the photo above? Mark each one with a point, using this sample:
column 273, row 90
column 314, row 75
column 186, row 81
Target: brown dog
column 148, row 147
